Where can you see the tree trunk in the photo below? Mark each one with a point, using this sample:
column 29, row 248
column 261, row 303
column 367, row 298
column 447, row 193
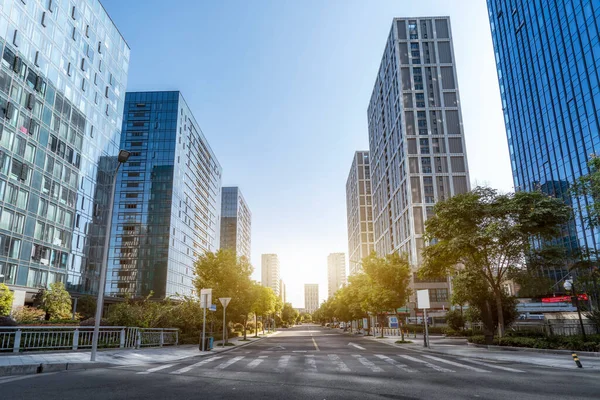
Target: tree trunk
column 368, row 325
column 245, row 326
column 488, row 324
column 381, row 324
column 263, row 324
column 462, row 318
column 255, row 326
column 500, row 315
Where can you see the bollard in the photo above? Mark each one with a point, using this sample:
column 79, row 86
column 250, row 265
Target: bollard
column 576, row 359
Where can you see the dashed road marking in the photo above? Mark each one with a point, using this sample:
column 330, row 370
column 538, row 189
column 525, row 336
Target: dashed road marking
column 198, row 364
column 469, row 367
column 367, row 363
column 151, row 370
column 427, row 364
column 395, row 363
column 341, row 366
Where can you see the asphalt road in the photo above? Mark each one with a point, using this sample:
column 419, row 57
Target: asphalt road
column 309, row 362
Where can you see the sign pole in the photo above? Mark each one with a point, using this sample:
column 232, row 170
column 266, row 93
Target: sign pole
column 224, row 302
column 204, row 323
column 426, row 336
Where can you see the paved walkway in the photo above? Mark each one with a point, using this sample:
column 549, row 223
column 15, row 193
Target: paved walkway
column 115, row 357
column 445, row 346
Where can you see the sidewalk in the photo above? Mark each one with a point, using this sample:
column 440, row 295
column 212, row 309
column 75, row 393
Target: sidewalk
column 440, row 345
column 29, row 363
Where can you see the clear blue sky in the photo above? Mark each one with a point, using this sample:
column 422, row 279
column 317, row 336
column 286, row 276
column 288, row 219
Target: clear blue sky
column 281, row 90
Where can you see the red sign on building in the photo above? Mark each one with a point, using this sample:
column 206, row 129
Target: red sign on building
column 563, row 299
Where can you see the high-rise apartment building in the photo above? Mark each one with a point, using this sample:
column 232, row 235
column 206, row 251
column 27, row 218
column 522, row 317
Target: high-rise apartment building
column 236, row 222
column 551, row 100
column 168, row 199
column 311, row 297
column 63, row 76
column 336, row 272
column 416, row 138
column 282, row 291
column 359, row 211
column 270, row 274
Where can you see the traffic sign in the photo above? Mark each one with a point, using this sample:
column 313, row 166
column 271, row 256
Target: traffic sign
column 213, row 307
column 224, row 301
column 423, row 299
column 205, row 297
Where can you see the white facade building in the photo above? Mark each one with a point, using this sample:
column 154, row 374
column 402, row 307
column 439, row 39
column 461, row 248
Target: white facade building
column 270, row 274
column 311, row 297
column 336, row 272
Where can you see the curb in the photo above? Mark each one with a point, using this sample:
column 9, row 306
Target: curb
column 529, row 349
column 30, row 369
column 39, row 368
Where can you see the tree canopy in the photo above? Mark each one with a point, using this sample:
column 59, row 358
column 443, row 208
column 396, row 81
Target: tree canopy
column 6, row 300
column 488, row 234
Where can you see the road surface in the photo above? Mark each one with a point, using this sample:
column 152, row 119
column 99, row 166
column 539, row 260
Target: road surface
column 310, row 362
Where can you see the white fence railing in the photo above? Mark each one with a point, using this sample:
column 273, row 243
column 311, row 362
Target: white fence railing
column 36, row 338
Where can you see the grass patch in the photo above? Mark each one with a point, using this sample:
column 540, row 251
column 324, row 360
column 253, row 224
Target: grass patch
column 403, row 341
column 379, row 337
column 227, row 344
column 244, row 340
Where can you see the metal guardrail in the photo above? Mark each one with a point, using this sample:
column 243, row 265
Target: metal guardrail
column 35, row 338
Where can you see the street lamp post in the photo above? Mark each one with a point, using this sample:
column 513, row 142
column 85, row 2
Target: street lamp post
column 121, row 158
column 570, row 287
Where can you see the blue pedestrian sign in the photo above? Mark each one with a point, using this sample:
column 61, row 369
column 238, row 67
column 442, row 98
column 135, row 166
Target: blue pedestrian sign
column 213, row 307
column 394, row 322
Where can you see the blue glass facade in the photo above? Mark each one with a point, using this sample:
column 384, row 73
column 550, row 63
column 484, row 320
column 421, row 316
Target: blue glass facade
column 62, row 78
column 167, row 201
column 548, row 59
column 236, row 222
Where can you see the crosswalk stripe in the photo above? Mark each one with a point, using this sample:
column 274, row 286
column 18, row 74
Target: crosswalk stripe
column 149, row 371
column 256, row 362
column 395, row 363
column 282, row 363
column 456, row 364
column 367, row 363
column 427, row 364
column 492, row 365
column 229, row 362
column 311, row 364
column 341, row 366
column 198, row 364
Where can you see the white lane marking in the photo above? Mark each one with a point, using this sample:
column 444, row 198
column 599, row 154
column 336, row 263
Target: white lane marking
column 282, row 363
column 310, row 363
column 395, row 363
column 456, row 364
column 8, row 379
column 198, row 364
column 357, row 346
column 229, row 362
column 256, row 362
column 427, row 364
column 367, row 363
column 491, row 365
column 341, row 366
column 151, row 370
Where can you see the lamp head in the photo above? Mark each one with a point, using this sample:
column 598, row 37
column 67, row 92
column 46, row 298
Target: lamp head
column 123, row 156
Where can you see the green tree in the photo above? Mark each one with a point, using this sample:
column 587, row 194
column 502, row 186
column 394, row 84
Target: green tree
column 56, row 302
column 588, row 186
column 86, row 306
column 228, row 276
column 289, row 314
column 389, row 279
column 6, row 300
column 264, row 304
column 488, row 234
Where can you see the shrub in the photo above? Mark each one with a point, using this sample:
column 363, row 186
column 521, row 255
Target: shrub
column 6, row 300
column 451, row 332
column 477, row 339
column 455, row 319
column 56, row 302
column 92, row 321
column 7, row 321
column 574, row 343
column 26, row 314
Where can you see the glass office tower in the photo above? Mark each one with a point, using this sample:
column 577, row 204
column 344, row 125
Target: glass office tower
column 548, row 59
column 236, row 222
column 62, row 80
column 167, row 202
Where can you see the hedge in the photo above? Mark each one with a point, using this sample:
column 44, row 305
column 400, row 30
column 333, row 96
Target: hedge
column 551, row 342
